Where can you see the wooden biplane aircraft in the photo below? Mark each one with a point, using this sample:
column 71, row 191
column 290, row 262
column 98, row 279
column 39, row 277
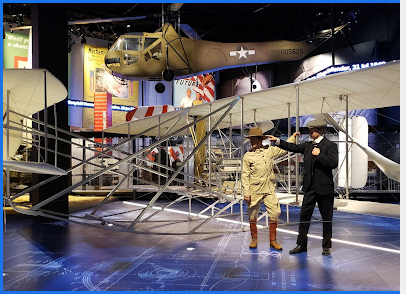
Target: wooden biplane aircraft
column 373, row 87
column 165, row 54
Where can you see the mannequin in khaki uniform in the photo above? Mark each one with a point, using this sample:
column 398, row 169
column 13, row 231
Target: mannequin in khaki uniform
column 258, row 181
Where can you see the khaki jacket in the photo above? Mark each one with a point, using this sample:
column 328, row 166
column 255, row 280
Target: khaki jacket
column 258, row 177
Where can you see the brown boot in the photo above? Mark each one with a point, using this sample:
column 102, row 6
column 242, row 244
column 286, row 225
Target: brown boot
column 272, row 235
column 254, row 233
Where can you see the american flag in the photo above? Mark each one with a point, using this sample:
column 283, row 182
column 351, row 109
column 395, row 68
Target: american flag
column 205, row 86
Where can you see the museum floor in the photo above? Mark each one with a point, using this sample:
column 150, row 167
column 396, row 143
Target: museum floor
column 62, row 256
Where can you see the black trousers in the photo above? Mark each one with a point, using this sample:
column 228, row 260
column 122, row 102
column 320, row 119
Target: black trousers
column 325, row 203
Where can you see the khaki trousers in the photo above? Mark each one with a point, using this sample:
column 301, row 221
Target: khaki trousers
column 271, row 203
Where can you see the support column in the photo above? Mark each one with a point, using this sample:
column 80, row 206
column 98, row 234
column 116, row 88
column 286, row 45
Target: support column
column 56, row 134
column 347, row 166
column 209, row 150
column 230, row 137
column 241, row 165
column 289, row 153
column 46, row 23
column 187, row 154
column 242, row 142
column 297, row 141
column 45, row 117
column 8, row 158
column 159, row 150
column 128, row 148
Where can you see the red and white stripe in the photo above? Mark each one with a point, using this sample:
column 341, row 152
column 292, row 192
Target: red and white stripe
column 206, row 91
column 175, row 152
column 150, row 156
column 146, row 111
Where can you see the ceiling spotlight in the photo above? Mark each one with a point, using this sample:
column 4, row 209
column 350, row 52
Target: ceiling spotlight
column 20, row 20
column 83, row 41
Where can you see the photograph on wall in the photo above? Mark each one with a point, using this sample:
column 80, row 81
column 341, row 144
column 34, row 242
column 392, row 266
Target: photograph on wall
column 194, row 90
column 105, row 82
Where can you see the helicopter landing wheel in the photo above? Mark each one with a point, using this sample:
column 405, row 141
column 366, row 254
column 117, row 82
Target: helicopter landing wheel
column 160, row 88
column 168, row 75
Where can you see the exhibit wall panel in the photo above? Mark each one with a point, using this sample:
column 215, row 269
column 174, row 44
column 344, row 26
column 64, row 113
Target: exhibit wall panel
column 97, row 80
column 88, row 75
column 15, row 50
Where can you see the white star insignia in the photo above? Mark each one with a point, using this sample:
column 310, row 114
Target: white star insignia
column 242, row 53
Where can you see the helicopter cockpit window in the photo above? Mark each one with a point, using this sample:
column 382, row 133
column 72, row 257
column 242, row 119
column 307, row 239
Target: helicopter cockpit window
column 149, row 41
column 152, row 51
column 116, row 46
column 130, row 59
column 134, row 44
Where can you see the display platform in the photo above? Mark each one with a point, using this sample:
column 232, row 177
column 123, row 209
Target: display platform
column 63, row 256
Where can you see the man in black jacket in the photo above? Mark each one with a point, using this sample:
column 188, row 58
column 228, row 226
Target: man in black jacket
column 320, row 158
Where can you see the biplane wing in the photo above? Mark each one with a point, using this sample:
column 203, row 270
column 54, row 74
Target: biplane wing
column 373, row 87
column 24, row 91
column 390, row 168
column 26, row 88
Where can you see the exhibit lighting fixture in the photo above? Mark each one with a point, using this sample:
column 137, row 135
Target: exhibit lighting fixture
column 262, row 8
column 20, row 20
column 192, row 214
column 343, row 241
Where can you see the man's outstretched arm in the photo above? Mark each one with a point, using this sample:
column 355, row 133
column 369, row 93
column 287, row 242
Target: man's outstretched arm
column 288, row 146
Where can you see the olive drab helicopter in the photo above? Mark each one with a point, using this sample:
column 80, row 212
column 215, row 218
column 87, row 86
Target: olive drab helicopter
column 165, row 54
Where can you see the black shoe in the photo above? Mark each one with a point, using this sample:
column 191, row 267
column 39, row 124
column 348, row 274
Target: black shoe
column 298, row 249
column 326, row 251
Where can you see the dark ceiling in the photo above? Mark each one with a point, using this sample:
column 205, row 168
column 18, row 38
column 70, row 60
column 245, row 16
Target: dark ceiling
column 215, row 22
